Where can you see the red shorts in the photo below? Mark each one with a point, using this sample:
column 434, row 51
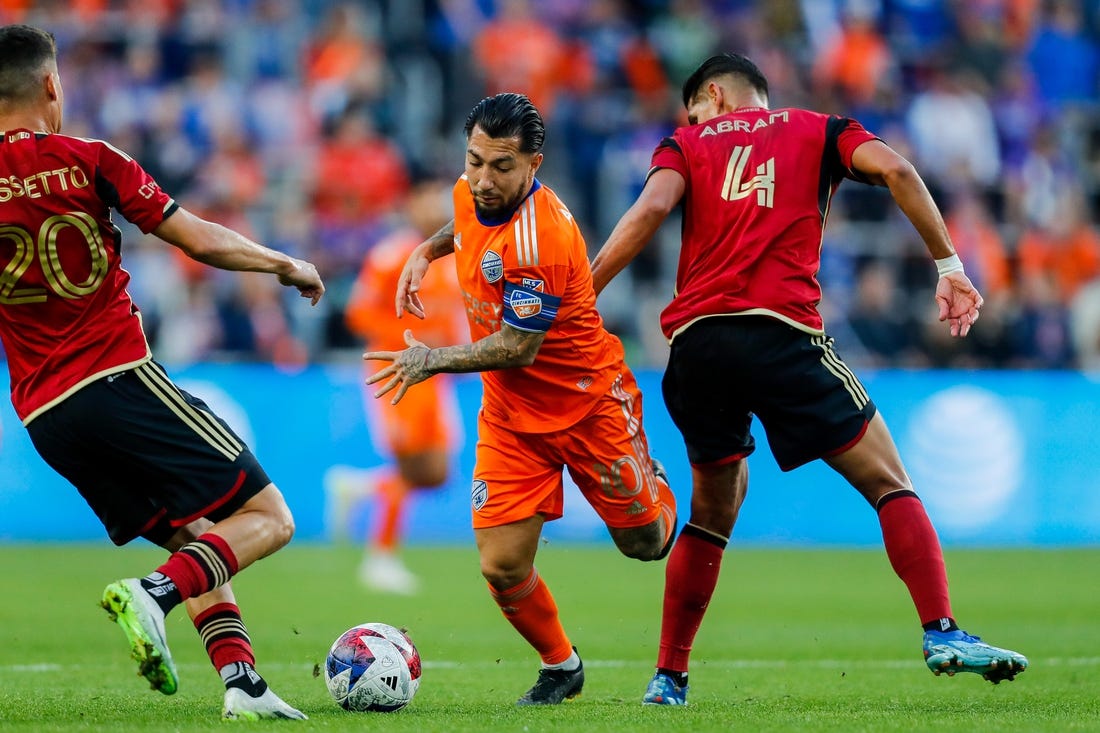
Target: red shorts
column 519, row 475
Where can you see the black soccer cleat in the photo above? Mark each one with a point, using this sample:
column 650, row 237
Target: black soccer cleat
column 553, row 686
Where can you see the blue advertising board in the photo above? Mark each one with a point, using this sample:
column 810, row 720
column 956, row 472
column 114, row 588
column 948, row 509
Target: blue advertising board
column 999, row 458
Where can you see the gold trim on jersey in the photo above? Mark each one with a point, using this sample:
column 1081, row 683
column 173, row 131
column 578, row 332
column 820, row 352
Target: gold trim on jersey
column 84, row 383
column 751, row 312
column 203, row 423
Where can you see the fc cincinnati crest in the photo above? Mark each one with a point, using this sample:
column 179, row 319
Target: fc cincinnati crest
column 492, row 267
column 524, row 305
column 479, row 494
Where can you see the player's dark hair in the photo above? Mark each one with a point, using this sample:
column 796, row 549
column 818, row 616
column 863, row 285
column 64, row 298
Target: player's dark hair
column 721, row 65
column 509, row 115
column 23, row 51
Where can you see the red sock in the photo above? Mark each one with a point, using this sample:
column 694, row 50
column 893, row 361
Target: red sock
column 915, row 554
column 531, row 609
column 201, row 566
column 223, row 634
column 690, row 577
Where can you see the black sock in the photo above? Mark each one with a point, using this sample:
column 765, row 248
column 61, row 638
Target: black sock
column 242, row 675
column 680, row 678
column 163, row 591
column 944, row 624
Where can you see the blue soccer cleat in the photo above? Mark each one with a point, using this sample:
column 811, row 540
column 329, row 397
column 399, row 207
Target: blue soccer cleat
column 663, row 690
column 958, row 651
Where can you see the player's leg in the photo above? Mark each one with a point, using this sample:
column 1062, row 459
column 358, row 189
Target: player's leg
column 179, row 476
column 702, row 396
column 200, row 563
column 691, row 574
column 507, row 562
column 516, row 489
column 418, row 434
column 217, row 619
column 608, row 456
column 875, row 469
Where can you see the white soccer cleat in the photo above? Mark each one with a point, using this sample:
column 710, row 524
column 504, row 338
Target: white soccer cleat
column 383, row 571
column 239, row 705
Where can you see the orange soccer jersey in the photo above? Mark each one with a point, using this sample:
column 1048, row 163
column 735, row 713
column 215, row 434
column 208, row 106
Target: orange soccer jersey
column 532, row 273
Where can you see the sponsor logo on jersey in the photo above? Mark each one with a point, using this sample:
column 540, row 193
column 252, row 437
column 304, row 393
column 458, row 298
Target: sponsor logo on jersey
column 479, row 494
column 492, row 266
column 532, row 284
column 524, row 305
column 585, row 383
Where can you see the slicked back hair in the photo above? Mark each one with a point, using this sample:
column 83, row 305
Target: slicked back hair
column 509, row 115
column 721, row 65
column 24, row 50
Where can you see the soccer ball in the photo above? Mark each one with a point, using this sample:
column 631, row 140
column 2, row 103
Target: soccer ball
column 373, row 667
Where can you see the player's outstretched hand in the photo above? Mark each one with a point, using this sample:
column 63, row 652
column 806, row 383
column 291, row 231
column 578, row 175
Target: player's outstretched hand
column 408, row 367
column 959, row 302
column 408, row 286
column 306, row 279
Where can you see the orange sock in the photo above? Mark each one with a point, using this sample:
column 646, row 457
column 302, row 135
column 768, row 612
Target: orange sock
column 392, row 495
column 668, row 510
column 530, row 608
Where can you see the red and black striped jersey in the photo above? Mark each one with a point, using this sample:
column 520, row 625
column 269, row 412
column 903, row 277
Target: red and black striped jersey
column 65, row 316
column 759, row 184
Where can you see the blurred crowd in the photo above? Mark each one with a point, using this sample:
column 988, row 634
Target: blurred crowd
column 307, row 123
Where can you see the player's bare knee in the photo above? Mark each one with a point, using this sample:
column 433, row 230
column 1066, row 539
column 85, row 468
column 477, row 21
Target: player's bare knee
column 503, row 575
column 426, row 478
column 282, row 526
column 640, row 543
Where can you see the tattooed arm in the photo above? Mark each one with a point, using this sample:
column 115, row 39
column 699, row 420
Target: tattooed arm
column 438, row 245
column 506, row 348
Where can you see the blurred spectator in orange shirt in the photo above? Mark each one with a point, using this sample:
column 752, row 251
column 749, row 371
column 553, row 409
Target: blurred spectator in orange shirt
column 978, row 241
column 344, row 63
column 516, row 52
column 857, row 58
column 358, row 177
column 1065, row 252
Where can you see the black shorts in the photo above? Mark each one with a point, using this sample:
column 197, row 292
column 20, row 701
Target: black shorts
column 147, row 456
column 723, row 370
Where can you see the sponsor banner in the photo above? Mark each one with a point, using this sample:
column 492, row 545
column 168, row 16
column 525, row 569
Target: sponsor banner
column 999, row 459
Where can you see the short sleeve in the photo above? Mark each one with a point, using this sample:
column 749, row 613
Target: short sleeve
column 124, row 185
column 851, row 135
column 668, row 154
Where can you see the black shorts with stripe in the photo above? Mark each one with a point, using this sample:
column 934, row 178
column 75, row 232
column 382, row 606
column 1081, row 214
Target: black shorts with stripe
column 147, row 456
column 723, row 370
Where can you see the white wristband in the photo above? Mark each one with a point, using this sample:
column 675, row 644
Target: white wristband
column 949, row 264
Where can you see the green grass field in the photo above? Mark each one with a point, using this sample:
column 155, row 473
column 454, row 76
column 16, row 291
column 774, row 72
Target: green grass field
column 795, row 640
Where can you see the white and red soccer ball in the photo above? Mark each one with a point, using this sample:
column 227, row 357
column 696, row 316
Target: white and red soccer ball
column 373, row 667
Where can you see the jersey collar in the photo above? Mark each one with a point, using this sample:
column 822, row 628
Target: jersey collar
column 505, row 218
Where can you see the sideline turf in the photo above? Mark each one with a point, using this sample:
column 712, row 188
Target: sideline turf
column 795, row 640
